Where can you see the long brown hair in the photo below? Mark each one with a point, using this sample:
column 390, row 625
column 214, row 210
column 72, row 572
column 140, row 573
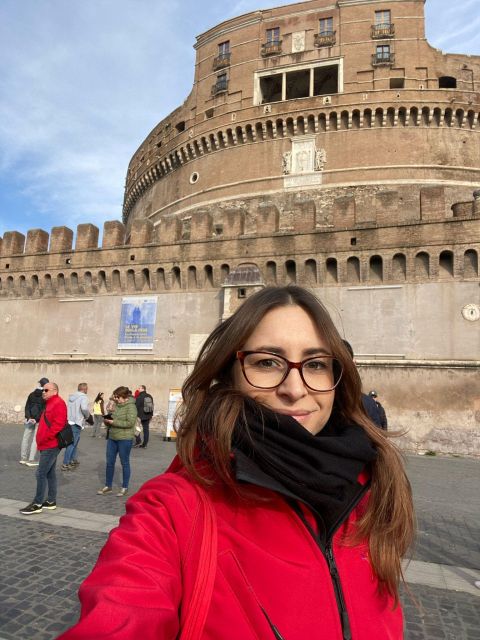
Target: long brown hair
column 211, row 406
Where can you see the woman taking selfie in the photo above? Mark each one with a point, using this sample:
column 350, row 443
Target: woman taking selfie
column 286, row 512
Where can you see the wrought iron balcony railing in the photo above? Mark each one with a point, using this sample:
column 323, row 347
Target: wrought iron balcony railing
column 385, row 59
column 221, row 86
column 382, row 30
column 272, row 48
column 221, row 61
column 325, row 39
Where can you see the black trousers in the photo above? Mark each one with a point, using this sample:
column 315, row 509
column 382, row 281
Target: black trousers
column 146, row 430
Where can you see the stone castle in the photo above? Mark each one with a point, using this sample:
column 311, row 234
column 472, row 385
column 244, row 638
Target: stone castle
column 324, row 143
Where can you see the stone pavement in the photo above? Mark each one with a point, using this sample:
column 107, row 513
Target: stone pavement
column 46, row 556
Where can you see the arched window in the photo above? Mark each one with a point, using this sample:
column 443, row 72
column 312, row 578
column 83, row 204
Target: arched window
column 470, row 264
column 353, row 270
column 413, row 121
column 74, row 282
column 192, row 277
column 291, row 272
column 145, row 279
column 102, row 281
column 445, row 264
column 332, row 271
column 399, row 267
column 379, row 117
column 61, row 284
column 322, row 122
column 376, row 269
column 47, row 282
column 356, row 119
column 422, row 265
column 35, row 285
column 271, row 273
column 367, row 118
column 224, row 271
column 310, row 272
column 390, row 117
column 332, row 120
column 116, row 282
column 176, row 278
column 130, row 280
column 160, row 279
column 344, row 120
column 402, row 116
column 208, row 276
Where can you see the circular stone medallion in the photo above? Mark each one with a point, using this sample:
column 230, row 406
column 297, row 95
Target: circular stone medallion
column 471, row 312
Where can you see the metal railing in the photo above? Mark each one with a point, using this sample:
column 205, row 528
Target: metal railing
column 221, row 86
column 272, row 48
column 384, row 59
column 382, row 30
column 325, row 39
column 221, row 61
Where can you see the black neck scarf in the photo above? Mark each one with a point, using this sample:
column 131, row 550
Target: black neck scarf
column 321, row 470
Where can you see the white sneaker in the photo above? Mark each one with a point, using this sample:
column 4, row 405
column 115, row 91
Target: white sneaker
column 31, row 464
column 22, row 461
column 122, row 492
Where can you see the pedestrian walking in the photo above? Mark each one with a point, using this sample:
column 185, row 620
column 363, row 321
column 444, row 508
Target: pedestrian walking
column 52, row 421
column 78, row 413
column 368, row 402
column 33, row 410
column 144, row 404
column 381, row 411
column 120, row 433
column 286, row 512
column 98, row 412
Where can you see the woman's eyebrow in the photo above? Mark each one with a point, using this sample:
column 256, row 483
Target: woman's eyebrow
column 281, row 352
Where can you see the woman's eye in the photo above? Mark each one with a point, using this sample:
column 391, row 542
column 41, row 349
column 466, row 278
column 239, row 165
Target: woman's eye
column 267, row 363
column 317, row 365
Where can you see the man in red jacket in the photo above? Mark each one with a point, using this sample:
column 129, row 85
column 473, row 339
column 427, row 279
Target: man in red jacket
column 52, row 421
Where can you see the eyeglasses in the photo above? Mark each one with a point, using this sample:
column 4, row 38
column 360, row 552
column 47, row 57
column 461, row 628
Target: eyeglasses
column 265, row 370
column 46, row 390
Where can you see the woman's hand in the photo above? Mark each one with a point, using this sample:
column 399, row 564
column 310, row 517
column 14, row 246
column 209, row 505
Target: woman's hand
column 108, row 422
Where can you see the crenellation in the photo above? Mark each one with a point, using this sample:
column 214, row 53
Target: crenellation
column 141, row 232
column 13, row 243
column 87, row 237
column 114, row 233
column 61, row 240
column 37, row 241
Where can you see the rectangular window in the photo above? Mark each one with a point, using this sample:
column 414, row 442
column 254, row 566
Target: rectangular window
column 383, row 17
column 383, row 52
column 273, row 35
column 326, row 26
column 224, row 48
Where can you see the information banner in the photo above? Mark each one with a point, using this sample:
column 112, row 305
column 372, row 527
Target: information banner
column 174, row 399
column 137, row 322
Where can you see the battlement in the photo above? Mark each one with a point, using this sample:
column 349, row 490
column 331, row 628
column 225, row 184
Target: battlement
column 329, row 238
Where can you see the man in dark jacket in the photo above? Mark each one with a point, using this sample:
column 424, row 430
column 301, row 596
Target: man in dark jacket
column 144, row 403
column 381, row 411
column 33, row 410
column 51, row 422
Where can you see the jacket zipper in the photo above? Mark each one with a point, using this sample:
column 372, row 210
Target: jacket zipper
column 342, row 608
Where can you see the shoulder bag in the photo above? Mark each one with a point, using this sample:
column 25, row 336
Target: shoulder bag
column 207, row 566
column 65, row 436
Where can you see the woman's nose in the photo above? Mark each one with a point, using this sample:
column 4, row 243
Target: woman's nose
column 293, row 385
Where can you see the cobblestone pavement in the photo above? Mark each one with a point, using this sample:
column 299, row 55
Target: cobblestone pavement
column 43, row 564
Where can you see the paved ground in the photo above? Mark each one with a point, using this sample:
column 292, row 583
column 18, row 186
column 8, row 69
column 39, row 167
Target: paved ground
column 46, row 556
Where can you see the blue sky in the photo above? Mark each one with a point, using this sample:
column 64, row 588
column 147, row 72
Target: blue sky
column 83, row 82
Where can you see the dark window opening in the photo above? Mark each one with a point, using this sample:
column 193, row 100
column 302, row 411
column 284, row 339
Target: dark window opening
column 326, row 26
column 298, row 84
column 273, row 35
column 397, row 83
column 271, row 88
column 68, row 261
column 209, row 113
column 180, row 126
column 353, row 242
column 224, row 48
column 7, row 266
column 132, row 257
column 325, row 80
column 242, row 293
column 447, row 82
column 218, row 229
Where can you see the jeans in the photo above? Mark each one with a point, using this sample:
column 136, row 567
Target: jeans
column 123, row 448
column 71, row 450
column 146, row 430
column 97, row 425
column 29, row 443
column 46, row 475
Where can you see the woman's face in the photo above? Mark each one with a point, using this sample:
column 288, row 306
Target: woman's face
column 290, row 332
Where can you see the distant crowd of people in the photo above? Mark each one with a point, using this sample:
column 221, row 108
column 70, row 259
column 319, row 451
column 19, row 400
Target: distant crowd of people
column 122, row 419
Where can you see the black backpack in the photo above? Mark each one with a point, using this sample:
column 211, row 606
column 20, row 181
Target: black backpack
column 148, row 404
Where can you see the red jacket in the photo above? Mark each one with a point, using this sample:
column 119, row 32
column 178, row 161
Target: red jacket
column 269, row 564
column 56, row 411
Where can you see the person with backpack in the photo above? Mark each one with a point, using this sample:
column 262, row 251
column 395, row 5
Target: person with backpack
column 381, row 411
column 33, row 410
column 144, row 403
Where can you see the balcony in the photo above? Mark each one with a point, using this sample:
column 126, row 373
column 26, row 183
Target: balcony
column 221, row 86
column 325, row 39
column 382, row 30
column 221, row 61
column 384, row 59
column 272, row 48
